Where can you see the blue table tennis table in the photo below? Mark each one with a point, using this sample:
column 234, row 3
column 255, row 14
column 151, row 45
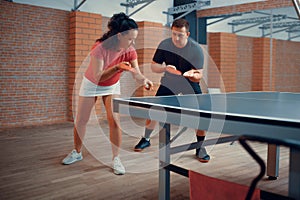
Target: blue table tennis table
column 272, row 117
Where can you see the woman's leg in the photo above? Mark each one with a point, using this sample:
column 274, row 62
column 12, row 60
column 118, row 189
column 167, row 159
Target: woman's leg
column 85, row 105
column 114, row 130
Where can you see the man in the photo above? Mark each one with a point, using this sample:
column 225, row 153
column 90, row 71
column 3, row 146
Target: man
column 181, row 60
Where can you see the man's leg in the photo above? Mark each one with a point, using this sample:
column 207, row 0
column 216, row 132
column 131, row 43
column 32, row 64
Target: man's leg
column 145, row 141
column 150, row 125
column 201, row 153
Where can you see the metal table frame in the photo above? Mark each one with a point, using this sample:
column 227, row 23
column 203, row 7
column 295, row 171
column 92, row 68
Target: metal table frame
column 287, row 132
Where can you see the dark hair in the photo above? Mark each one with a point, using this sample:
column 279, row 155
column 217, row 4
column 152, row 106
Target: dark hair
column 179, row 23
column 118, row 23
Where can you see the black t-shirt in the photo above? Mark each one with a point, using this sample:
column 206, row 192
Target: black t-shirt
column 184, row 59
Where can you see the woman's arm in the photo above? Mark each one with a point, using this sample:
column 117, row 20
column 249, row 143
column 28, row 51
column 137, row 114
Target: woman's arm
column 139, row 76
column 103, row 75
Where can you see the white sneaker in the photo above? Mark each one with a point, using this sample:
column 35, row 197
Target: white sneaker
column 72, row 157
column 118, row 167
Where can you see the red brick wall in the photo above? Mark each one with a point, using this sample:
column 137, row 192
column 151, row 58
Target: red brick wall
column 262, row 64
column 85, row 28
column 244, row 63
column 223, row 50
column 287, row 74
column 150, row 35
column 253, row 57
column 34, row 63
column 42, row 51
column 213, row 68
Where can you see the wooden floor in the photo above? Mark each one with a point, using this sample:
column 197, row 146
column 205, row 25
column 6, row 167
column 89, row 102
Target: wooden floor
column 31, row 165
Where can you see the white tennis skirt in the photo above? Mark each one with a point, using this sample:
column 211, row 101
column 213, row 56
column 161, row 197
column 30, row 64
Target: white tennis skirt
column 89, row 89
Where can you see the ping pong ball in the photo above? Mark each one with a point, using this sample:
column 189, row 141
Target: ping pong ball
column 147, row 86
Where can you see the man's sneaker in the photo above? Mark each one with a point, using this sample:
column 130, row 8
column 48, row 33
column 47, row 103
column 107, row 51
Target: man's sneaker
column 118, row 167
column 142, row 144
column 202, row 155
column 72, row 157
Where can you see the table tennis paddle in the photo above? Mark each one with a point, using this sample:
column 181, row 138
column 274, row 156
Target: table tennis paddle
column 172, row 69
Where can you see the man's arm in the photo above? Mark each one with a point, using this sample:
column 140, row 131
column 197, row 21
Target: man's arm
column 158, row 68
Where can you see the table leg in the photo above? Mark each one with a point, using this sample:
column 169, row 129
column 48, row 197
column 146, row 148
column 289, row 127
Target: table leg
column 164, row 160
column 273, row 161
column 294, row 176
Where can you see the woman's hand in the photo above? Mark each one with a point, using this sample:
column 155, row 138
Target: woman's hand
column 139, row 77
column 148, row 84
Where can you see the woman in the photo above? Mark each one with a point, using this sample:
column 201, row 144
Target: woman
column 112, row 54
